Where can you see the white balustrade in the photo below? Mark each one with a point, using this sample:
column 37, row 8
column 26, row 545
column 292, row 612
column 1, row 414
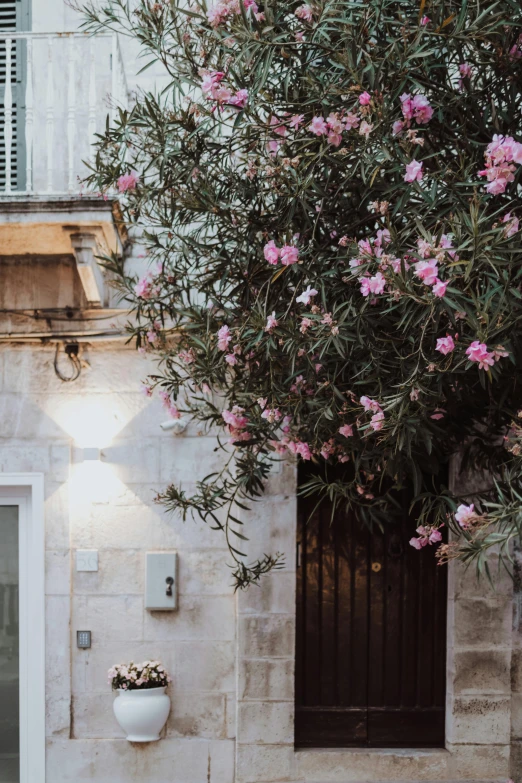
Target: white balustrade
column 59, row 88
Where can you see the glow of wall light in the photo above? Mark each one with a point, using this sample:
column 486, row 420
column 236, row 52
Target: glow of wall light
column 93, row 481
column 91, row 421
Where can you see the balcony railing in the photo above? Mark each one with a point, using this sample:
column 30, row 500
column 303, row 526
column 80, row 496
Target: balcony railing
column 56, row 90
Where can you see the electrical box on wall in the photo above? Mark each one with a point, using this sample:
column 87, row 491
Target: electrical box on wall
column 161, row 581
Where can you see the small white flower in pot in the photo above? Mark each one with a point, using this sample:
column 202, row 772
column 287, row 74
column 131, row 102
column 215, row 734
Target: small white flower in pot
column 142, row 706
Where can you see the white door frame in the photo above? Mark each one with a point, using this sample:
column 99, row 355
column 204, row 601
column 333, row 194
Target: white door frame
column 26, row 490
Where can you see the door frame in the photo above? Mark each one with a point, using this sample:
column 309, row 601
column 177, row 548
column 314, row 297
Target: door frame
column 26, row 490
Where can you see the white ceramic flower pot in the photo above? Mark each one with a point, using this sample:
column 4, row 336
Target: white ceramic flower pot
column 142, row 713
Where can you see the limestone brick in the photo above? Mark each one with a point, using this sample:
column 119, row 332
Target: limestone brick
column 266, row 636
column 483, row 622
column 265, row 679
column 480, row 720
column 482, row 671
column 269, row 722
column 120, row 572
column 110, row 618
column 197, row 714
column 266, row 763
column 369, row 766
column 209, row 618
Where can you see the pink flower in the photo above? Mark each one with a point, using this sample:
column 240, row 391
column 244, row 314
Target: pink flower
column 231, row 359
column 397, row 128
column 438, row 414
column 277, row 127
column 373, row 285
column 210, row 82
column 289, row 255
column 224, row 337
column 128, row 181
column 422, row 110
column 465, row 515
column 478, row 352
column 435, row 536
column 318, row 126
column 365, row 98
column 144, row 287
column 271, row 252
column 369, row 404
column 512, row 225
column 346, row 430
column 271, row 322
column 413, row 171
column 445, row 345
column 439, row 288
column 240, row 99
column 304, row 12
column 234, row 418
column 351, row 121
column 377, row 421
column 296, row 121
column 303, row 450
column 417, row 543
column 465, row 70
column 306, row 296
column 425, row 20
column 334, row 138
column 427, row 271
column 365, row 129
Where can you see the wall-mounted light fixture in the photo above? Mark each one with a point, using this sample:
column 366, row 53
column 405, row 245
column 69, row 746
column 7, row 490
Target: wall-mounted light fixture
column 176, row 426
column 91, row 454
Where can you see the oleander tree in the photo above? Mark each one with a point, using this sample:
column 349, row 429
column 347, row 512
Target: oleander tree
column 329, row 194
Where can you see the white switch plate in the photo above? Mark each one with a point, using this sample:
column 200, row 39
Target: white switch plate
column 160, row 567
column 86, row 559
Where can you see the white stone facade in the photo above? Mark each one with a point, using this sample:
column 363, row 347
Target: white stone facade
column 231, row 656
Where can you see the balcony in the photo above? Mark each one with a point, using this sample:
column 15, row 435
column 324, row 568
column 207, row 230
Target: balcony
column 56, row 92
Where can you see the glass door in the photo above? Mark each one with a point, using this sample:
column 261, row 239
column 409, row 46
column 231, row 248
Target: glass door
column 9, row 646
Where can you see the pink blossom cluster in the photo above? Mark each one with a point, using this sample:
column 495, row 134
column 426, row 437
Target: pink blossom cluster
column 434, row 253
column 478, row 352
column 427, row 534
column 224, row 337
column 515, row 53
column 146, row 287
column 501, row 156
column 445, row 345
column 512, row 225
column 128, row 181
column 304, row 12
column 466, row 516
column 219, row 13
column 270, row 414
column 414, row 109
column 377, row 419
column 237, row 424
column 214, row 90
column 333, row 126
column 288, row 254
column 171, row 407
column 466, row 72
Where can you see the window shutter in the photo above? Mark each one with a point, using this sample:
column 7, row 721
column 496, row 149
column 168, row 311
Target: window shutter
column 12, row 19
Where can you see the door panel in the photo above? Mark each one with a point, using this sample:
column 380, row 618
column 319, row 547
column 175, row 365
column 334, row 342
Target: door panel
column 371, row 634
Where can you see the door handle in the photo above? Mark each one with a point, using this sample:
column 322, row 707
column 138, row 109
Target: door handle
column 170, row 581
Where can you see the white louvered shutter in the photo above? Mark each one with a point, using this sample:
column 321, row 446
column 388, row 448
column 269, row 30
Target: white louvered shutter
column 13, row 18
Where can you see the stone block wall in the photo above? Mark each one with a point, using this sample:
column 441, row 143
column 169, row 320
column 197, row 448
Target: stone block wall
column 231, row 656
column 111, row 509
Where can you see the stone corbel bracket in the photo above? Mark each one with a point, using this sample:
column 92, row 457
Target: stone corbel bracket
column 85, row 248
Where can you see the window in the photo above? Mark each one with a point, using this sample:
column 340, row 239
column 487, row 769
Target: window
column 371, row 634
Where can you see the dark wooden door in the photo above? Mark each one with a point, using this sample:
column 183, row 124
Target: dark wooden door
column 371, row 635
